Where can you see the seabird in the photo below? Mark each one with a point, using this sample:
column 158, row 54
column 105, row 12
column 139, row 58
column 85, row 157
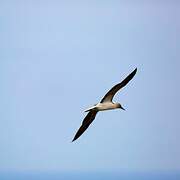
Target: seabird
column 105, row 104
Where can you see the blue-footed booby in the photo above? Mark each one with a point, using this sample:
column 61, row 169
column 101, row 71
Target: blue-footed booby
column 105, row 104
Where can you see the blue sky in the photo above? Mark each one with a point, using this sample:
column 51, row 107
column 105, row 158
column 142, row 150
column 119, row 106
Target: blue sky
column 60, row 57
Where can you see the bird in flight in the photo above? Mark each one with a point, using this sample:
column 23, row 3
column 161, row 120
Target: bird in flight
column 105, row 104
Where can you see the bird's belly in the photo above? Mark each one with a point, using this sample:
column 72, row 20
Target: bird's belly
column 105, row 106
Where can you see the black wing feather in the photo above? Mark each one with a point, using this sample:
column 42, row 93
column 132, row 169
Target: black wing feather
column 110, row 94
column 85, row 124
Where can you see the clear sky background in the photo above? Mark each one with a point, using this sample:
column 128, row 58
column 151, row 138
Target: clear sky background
column 59, row 57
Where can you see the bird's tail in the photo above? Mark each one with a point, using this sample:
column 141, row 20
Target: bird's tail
column 89, row 109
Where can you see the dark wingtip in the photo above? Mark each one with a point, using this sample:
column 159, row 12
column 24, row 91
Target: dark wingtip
column 135, row 70
column 133, row 73
column 74, row 139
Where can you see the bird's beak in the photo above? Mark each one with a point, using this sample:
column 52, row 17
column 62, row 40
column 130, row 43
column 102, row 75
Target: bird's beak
column 122, row 108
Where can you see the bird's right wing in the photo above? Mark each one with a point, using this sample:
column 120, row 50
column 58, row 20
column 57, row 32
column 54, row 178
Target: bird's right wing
column 85, row 124
column 110, row 94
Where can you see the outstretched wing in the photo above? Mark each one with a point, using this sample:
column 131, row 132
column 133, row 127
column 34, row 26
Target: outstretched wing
column 110, row 94
column 85, row 124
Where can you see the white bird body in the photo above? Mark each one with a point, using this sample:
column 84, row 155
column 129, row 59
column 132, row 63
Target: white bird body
column 103, row 106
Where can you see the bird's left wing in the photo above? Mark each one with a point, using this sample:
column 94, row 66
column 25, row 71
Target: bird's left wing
column 85, row 124
column 110, row 94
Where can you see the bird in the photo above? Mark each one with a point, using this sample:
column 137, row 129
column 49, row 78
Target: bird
column 106, row 103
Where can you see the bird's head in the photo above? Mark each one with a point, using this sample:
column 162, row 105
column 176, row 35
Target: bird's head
column 119, row 106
